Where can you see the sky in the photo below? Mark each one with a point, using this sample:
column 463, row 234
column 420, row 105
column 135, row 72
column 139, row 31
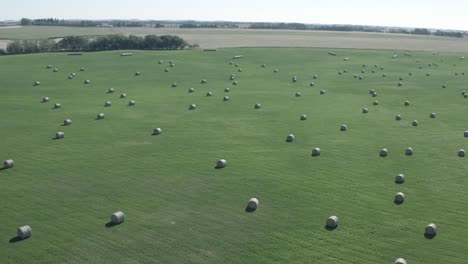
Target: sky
column 448, row 14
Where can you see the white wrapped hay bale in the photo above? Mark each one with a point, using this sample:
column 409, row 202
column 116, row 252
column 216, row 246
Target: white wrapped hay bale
column 400, row 84
column 221, row 163
column 227, row 90
column 409, row 152
column 258, row 106
column 203, row 81
column 209, row 94
column 59, row 135
column 67, row 122
column 56, row 70
column 57, row 105
column 432, row 115
column 235, row 83
column 298, row 94
column 49, row 66
column 375, row 103
column 123, row 95
column 290, row 138
column 137, row 73
column 398, row 117
column 322, row 92
column 132, row 103
column 407, row 103
column 36, row 83
column 399, row 198
column 365, row 110
column 226, row 98
column 400, row 261
column 111, row 90
column 253, row 204
column 157, row 131
column 311, row 84
column 384, row 152
column 192, row 107
column 9, row 163
column 316, row 152
column 400, row 178
column 45, row 99
column 430, row 230
column 461, row 153
column 174, row 85
column 303, row 117
column 332, row 221
column 343, row 127
column 24, row 232
column 107, row 104
column 100, row 116
column 117, row 218
column 276, row 70
column 294, row 79
column 315, row 76
column 82, row 69
column 166, row 70
column 465, row 134
column 415, row 123
column 191, row 90
column 87, row 82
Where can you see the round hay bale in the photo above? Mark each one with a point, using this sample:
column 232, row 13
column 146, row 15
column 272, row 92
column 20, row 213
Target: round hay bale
column 157, row 131
column 82, row 69
column 191, row 90
column 160, row 62
column 236, row 65
column 239, row 70
column 166, row 70
column 257, row 106
column 374, row 94
column 383, row 152
column 226, row 98
column 466, row 95
column 415, row 123
column 174, row 85
column 382, row 68
column 100, row 116
column 465, row 134
column 401, row 78
column 59, row 135
column 340, row 73
column 315, row 77
column 384, row 75
column 432, row 115
column 221, row 163
column 322, row 92
column 400, row 178
column 203, row 81
column 132, row 103
column 345, row 71
column 372, row 91
column 343, row 128
column 303, row 117
column 107, row 104
column 407, row 103
column 444, row 86
column 45, row 99
column 399, row 198
column 461, row 153
column 235, row 83
column 9, row 163
column 298, row 94
column 137, row 73
column 209, row 94
column 290, row 138
column 409, row 152
column 428, row 74
column 364, row 65
column 430, row 230
column 398, row 117
column 117, row 218
column 67, row 122
column 36, row 83
column 400, row 84
column 400, row 261
column 365, row 110
column 375, row 103
column 57, row 105
column 123, row 95
column 361, row 77
column 227, row 90
column 276, row 70
column 171, row 62
column 49, row 66
column 172, row 65
column 332, row 221
column 373, row 71
column 231, row 63
column 56, row 70
column 87, row 82
column 70, row 77
column 312, row 84
column 192, row 107
column 410, row 73
column 263, row 65
column 232, row 77
column 294, row 79
column 252, row 204
column 355, row 76
column 111, row 90
column 24, row 232
column 316, row 152
column 363, row 71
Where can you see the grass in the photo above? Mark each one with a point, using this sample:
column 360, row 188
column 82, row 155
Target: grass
column 179, row 209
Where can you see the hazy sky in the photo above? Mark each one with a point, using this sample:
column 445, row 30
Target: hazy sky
column 448, row 14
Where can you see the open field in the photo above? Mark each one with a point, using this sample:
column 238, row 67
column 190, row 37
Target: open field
column 217, row 38
column 180, row 209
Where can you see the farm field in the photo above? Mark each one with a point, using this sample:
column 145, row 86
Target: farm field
column 219, row 38
column 180, row 209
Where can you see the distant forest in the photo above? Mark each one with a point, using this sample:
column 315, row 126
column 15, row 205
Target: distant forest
column 224, row 24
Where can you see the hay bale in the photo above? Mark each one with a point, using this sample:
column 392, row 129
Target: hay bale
column 252, row 204
column 415, row 123
column 461, row 153
column 192, row 107
column 384, row 75
column 375, row 103
column 117, row 218
column 237, row 56
column 166, row 70
column 123, row 95
column 236, row 65
column 428, row 74
column 361, row 77
column 316, row 152
column 432, row 115
column 45, row 99
column 401, row 78
column 137, row 73
column 322, row 91
column 332, row 221
column 400, row 261
column 231, row 63
column 343, row 127
column 100, row 116
column 400, row 84
column 465, row 96
column 132, row 103
column 59, row 135
column 82, row 69
column 203, row 81
column 263, row 65
column 364, row 65
column 257, row 106
column 56, row 70
column 111, row 90
column 315, row 77
column 172, row 65
column 67, row 122
column 398, row 117
column 276, row 71
column 36, row 83
column 160, row 62
column 235, row 83
column 373, row 71
column 126, row 54
column 290, row 138
column 174, row 85
column 374, row 94
column 171, row 62
column 372, row 91
column 294, row 79
column 363, row 71
column 232, row 77
column 340, row 73
column 303, row 117
column 444, row 86
column 409, row 152
column 407, row 103
column 57, row 105
column 227, row 90
column 70, row 77
column 191, row 90
column 312, row 84
column 87, row 82
column 157, row 131
column 298, row 94
column 345, row 71
column 346, row 59
column 465, row 134
column 365, row 110
column 107, row 104
column 383, row 152
column 209, row 94
column 226, row 98
column 400, row 178
column 430, row 230
column 24, row 232
column 399, row 198
column 9, row 163
column 221, row 163
column 49, row 66
column 410, row 73
column 332, row 53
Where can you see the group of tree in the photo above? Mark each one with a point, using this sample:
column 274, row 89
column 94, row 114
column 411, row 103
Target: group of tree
column 209, row 25
column 102, row 43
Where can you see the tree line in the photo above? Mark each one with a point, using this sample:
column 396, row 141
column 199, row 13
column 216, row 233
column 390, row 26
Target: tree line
column 102, row 43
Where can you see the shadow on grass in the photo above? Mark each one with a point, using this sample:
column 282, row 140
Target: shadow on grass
column 4, row 168
column 250, row 210
column 428, row 236
column 15, row 239
column 329, row 228
column 110, row 224
column 398, row 202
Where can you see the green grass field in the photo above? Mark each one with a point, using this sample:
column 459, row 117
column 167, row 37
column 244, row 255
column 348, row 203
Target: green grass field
column 180, row 209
